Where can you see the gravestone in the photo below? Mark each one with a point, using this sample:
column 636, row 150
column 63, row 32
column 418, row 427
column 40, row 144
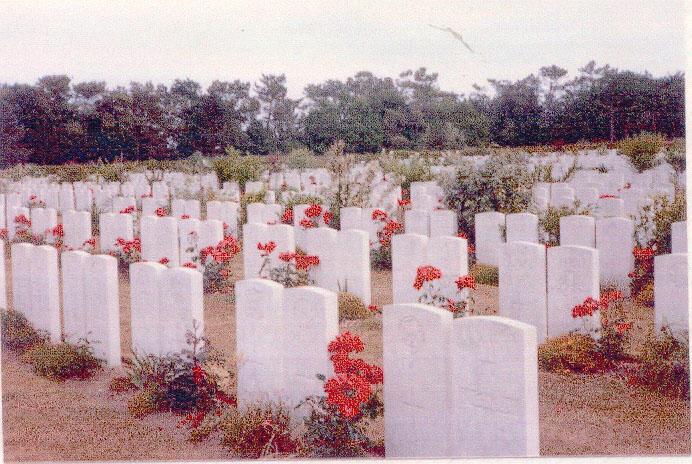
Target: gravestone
column 76, row 228
column 489, row 236
column 522, row 227
column 90, row 302
column 679, row 237
column 415, row 341
column 409, row 251
column 522, row 285
column 615, row 241
column 572, row 277
column 578, row 230
column 259, row 312
column 494, row 388
column 417, row 221
column 671, row 292
column 310, row 322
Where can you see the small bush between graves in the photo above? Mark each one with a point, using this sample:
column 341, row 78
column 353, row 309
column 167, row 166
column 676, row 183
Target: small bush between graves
column 664, row 365
column 549, row 221
column 59, row 361
column 351, row 307
column 675, row 155
column 485, row 275
column 656, row 220
column 503, row 183
column 641, row 150
column 258, row 431
column 63, row 360
column 17, row 333
column 336, row 424
column 235, row 167
column 188, row 383
column 574, row 352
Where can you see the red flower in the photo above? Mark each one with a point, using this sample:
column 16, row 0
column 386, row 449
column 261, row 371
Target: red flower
column 328, row 216
column 347, row 392
column 286, row 256
column 379, row 215
column 58, row 231
column 374, row 308
column 471, row 248
column 161, row 212
column 643, row 253
column 287, row 217
column 197, row 374
column 466, row 282
column 404, row 202
column 346, row 343
column 587, row 308
column 164, row 260
column 607, row 195
column 622, row 328
column 185, row 216
column 266, row 248
column 313, row 211
column 3, row 234
column 609, row 297
column 21, row 219
column 190, row 265
column 426, row 274
column 306, row 223
column 303, row 262
column 462, row 235
column 129, row 210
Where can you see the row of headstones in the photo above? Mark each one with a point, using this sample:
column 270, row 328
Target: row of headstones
column 344, row 256
column 467, row 387
column 540, row 287
column 166, row 303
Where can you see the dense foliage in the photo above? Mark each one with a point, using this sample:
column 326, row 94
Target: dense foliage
column 55, row 120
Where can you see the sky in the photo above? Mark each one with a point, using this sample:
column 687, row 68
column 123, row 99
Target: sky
column 312, row 41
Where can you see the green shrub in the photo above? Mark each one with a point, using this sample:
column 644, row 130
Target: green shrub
column 17, row 333
column 549, row 221
column 503, row 183
column 63, row 360
column 351, row 307
column 381, row 258
column 675, row 155
column 486, row 275
column 664, row 365
column 641, row 150
column 572, row 352
column 300, row 158
column 258, row 431
column 416, row 169
column 235, row 167
column 656, row 219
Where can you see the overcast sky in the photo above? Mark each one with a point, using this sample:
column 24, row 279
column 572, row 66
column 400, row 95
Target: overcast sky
column 311, row 41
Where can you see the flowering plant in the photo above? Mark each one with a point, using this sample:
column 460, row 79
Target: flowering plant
column 161, row 211
column 613, row 331
column 295, row 270
column 336, row 423
column 22, row 231
column 432, row 294
column 381, row 252
column 35, row 202
column 642, row 277
column 127, row 251
column 217, row 263
column 129, row 210
column 313, row 215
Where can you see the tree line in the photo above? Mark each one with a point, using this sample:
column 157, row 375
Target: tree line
column 58, row 121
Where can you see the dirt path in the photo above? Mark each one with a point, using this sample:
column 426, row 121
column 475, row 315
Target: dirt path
column 83, row 420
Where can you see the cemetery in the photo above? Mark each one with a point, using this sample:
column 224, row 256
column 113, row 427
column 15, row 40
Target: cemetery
column 497, row 303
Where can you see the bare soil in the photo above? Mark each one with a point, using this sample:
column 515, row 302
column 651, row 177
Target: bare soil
column 84, row 420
